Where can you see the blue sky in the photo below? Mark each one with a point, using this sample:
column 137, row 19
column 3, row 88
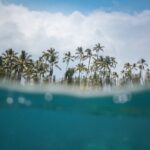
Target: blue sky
column 85, row 6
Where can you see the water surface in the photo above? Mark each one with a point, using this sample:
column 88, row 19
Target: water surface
column 60, row 121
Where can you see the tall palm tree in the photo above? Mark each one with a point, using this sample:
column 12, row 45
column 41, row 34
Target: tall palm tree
column 113, row 62
column 9, row 61
column 128, row 71
column 99, row 62
column 134, row 67
column 51, row 58
column 88, row 55
column 115, row 76
column 23, row 62
column 142, row 64
column 123, row 73
column 98, row 48
column 28, row 72
column 80, row 54
column 97, row 66
column 80, row 68
column 104, row 66
column 69, row 75
column 40, row 69
column 67, row 58
column 2, row 71
column 147, row 76
column 107, row 69
column 1, row 61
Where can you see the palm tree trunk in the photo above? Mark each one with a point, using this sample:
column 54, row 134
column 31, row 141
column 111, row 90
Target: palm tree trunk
column 51, row 73
column 79, row 76
column 67, row 66
column 141, row 77
column 20, row 70
column 87, row 80
column 88, row 66
column 9, row 70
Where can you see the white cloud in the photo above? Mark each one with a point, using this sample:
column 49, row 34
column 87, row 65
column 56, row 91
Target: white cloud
column 124, row 35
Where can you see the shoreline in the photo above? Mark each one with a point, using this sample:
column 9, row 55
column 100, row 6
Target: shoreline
column 79, row 91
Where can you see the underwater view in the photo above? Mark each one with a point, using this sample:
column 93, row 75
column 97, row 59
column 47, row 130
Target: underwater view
column 60, row 121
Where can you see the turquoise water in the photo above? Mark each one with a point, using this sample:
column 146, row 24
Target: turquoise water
column 56, row 121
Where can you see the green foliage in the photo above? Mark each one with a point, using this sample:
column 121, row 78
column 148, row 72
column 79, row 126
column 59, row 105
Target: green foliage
column 90, row 68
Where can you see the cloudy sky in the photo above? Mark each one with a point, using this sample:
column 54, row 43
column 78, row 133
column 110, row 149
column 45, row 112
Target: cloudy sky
column 122, row 26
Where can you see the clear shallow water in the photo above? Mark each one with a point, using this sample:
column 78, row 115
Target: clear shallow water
column 55, row 121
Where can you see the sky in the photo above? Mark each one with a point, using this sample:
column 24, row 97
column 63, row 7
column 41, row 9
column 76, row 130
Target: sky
column 121, row 26
column 83, row 5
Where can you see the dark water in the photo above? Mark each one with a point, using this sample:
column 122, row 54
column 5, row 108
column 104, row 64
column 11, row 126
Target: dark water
column 43, row 121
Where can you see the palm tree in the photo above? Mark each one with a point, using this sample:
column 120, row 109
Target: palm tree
column 51, row 58
column 123, row 73
column 1, row 61
column 40, row 69
column 9, row 61
column 107, row 69
column 28, row 72
column 98, row 48
column 142, row 64
column 2, row 71
column 97, row 66
column 104, row 65
column 89, row 56
column 113, row 62
column 135, row 77
column 80, row 68
column 23, row 62
column 67, row 58
column 115, row 76
column 147, row 76
column 69, row 75
column 134, row 67
column 80, row 54
column 128, row 71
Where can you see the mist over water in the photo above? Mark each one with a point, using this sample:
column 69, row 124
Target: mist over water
column 56, row 118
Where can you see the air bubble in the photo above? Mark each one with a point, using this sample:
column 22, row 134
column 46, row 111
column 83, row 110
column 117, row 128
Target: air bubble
column 9, row 100
column 21, row 100
column 122, row 98
column 48, row 97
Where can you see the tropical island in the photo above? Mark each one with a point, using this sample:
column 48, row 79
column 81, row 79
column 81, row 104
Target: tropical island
column 91, row 68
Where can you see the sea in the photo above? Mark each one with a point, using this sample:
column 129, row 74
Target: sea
column 60, row 118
